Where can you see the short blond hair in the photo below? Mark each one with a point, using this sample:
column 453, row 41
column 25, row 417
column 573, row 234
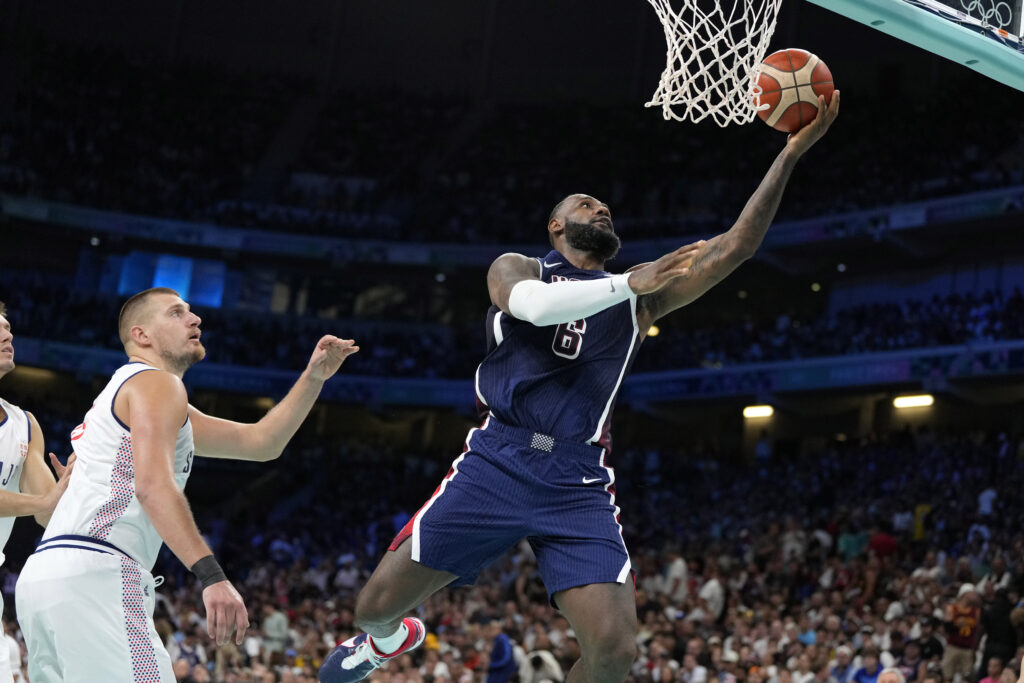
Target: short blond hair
column 3, row 309
column 132, row 310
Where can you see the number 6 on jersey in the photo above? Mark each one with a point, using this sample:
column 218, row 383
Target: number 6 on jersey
column 569, row 338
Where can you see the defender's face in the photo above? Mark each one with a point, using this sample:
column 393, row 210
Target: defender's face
column 173, row 329
column 6, row 347
column 589, row 211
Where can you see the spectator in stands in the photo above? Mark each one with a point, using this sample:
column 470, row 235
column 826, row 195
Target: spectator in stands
column 712, row 592
column 676, row 578
column 191, row 649
column 502, row 663
column 891, row 676
column 994, row 671
column 870, row 667
column 881, row 542
column 963, row 622
column 911, row 663
column 275, row 633
column 692, row 672
column 997, row 577
column 843, row 669
column 1000, row 635
column 931, row 647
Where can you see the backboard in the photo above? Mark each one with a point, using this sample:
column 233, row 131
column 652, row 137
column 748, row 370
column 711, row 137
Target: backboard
column 984, row 35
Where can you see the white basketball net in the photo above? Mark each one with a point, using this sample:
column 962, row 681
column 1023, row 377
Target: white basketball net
column 715, row 50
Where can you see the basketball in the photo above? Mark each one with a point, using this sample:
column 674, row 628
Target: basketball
column 791, row 81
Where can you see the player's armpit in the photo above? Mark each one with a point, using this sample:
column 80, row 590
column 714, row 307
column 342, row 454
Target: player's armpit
column 506, row 272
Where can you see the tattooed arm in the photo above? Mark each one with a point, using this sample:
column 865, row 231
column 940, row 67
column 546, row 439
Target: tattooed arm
column 723, row 253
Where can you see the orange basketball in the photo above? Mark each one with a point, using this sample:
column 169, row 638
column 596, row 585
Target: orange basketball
column 791, row 81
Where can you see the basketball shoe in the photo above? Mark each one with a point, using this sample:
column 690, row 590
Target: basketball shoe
column 356, row 658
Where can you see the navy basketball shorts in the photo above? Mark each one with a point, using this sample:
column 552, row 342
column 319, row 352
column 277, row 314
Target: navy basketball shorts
column 511, row 483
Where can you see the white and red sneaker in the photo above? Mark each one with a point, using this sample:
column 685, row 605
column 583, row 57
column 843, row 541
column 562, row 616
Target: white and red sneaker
column 356, row 658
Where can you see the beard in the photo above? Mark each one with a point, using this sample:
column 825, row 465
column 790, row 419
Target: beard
column 603, row 244
column 183, row 361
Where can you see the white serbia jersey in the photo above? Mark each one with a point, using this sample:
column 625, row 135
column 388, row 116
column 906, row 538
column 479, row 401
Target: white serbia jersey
column 15, row 434
column 100, row 505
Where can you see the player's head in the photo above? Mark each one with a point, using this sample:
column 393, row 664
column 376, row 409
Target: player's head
column 583, row 223
column 156, row 321
column 6, row 342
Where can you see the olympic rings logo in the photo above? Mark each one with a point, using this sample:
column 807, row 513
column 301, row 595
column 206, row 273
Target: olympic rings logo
column 985, row 13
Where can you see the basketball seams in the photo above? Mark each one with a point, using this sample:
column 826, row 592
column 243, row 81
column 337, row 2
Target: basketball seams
column 791, row 87
column 799, row 109
column 803, row 87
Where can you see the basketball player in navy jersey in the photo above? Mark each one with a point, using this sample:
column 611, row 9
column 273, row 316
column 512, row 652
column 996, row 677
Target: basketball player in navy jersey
column 562, row 334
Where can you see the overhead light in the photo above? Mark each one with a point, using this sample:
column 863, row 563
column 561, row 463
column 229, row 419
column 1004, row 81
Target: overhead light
column 815, row 286
column 758, row 411
column 653, row 331
column 917, row 401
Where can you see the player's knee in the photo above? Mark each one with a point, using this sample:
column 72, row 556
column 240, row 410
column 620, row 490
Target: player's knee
column 611, row 655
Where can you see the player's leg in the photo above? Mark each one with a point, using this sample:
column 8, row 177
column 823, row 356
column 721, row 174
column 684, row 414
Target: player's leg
column 473, row 517
column 576, row 536
column 603, row 616
column 396, row 587
column 462, row 528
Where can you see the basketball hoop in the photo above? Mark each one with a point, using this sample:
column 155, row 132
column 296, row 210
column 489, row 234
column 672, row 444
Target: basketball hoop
column 715, row 49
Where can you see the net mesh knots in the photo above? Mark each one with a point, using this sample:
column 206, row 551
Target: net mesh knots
column 715, row 50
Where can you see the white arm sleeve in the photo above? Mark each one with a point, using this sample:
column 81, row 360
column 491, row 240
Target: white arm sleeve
column 553, row 303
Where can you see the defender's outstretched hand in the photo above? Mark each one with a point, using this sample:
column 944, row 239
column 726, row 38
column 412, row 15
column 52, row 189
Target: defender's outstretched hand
column 62, row 470
column 329, row 354
column 803, row 139
column 653, row 276
column 52, row 497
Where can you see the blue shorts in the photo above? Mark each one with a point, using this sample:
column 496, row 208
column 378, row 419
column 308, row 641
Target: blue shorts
column 509, row 484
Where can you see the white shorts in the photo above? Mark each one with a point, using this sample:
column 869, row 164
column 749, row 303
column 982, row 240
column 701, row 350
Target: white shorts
column 87, row 616
column 6, row 674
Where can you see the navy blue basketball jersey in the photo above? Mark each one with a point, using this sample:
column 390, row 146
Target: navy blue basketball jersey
column 559, row 380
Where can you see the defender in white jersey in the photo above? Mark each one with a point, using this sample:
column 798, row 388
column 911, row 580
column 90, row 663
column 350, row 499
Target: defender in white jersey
column 27, row 486
column 86, row 596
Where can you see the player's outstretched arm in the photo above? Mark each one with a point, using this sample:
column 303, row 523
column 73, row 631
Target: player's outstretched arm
column 39, row 492
column 723, row 253
column 264, row 440
column 515, row 287
column 155, row 405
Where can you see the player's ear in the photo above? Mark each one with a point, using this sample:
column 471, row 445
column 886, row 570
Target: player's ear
column 139, row 335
